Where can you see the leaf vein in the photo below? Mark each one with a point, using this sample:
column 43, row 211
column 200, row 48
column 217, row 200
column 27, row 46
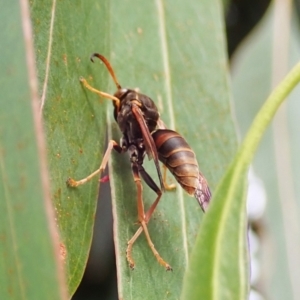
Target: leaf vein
column 166, row 67
column 45, row 85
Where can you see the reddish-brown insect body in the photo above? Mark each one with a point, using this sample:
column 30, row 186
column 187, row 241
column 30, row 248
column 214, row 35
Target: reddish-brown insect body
column 175, row 153
column 144, row 133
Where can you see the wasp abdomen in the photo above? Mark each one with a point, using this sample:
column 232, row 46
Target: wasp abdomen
column 175, row 153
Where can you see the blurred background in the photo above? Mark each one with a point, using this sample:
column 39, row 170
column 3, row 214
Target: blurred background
column 263, row 44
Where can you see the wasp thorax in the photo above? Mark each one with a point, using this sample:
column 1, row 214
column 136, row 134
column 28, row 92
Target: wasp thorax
column 120, row 92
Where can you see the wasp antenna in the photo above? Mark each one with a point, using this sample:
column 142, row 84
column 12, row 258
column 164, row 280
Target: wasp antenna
column 108, row 66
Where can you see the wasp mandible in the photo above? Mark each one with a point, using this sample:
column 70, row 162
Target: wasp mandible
column 143, row 133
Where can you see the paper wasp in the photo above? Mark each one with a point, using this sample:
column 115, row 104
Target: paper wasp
column 145, row 133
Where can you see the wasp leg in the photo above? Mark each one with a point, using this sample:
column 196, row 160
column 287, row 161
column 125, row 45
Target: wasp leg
column 144, row 218
column 150, row 182
column 168, row 187
column 103, row 94
column 111, row 145
column 129, row 247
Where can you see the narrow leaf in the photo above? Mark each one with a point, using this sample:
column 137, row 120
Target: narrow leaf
column 29, row 264
column 66, row 33
column 222, row 245
column 175, row 54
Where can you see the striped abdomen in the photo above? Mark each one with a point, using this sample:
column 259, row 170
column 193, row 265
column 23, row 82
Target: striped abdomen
column 175, row 153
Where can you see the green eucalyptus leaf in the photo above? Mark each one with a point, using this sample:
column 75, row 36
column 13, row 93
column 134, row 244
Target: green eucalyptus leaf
column 255, row 67
column 224, row 242
column 171, row 56
column 30, row 259
column 66, row 33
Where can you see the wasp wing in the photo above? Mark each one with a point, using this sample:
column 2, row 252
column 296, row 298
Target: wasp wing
column 148, row 141
column 161, row 124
